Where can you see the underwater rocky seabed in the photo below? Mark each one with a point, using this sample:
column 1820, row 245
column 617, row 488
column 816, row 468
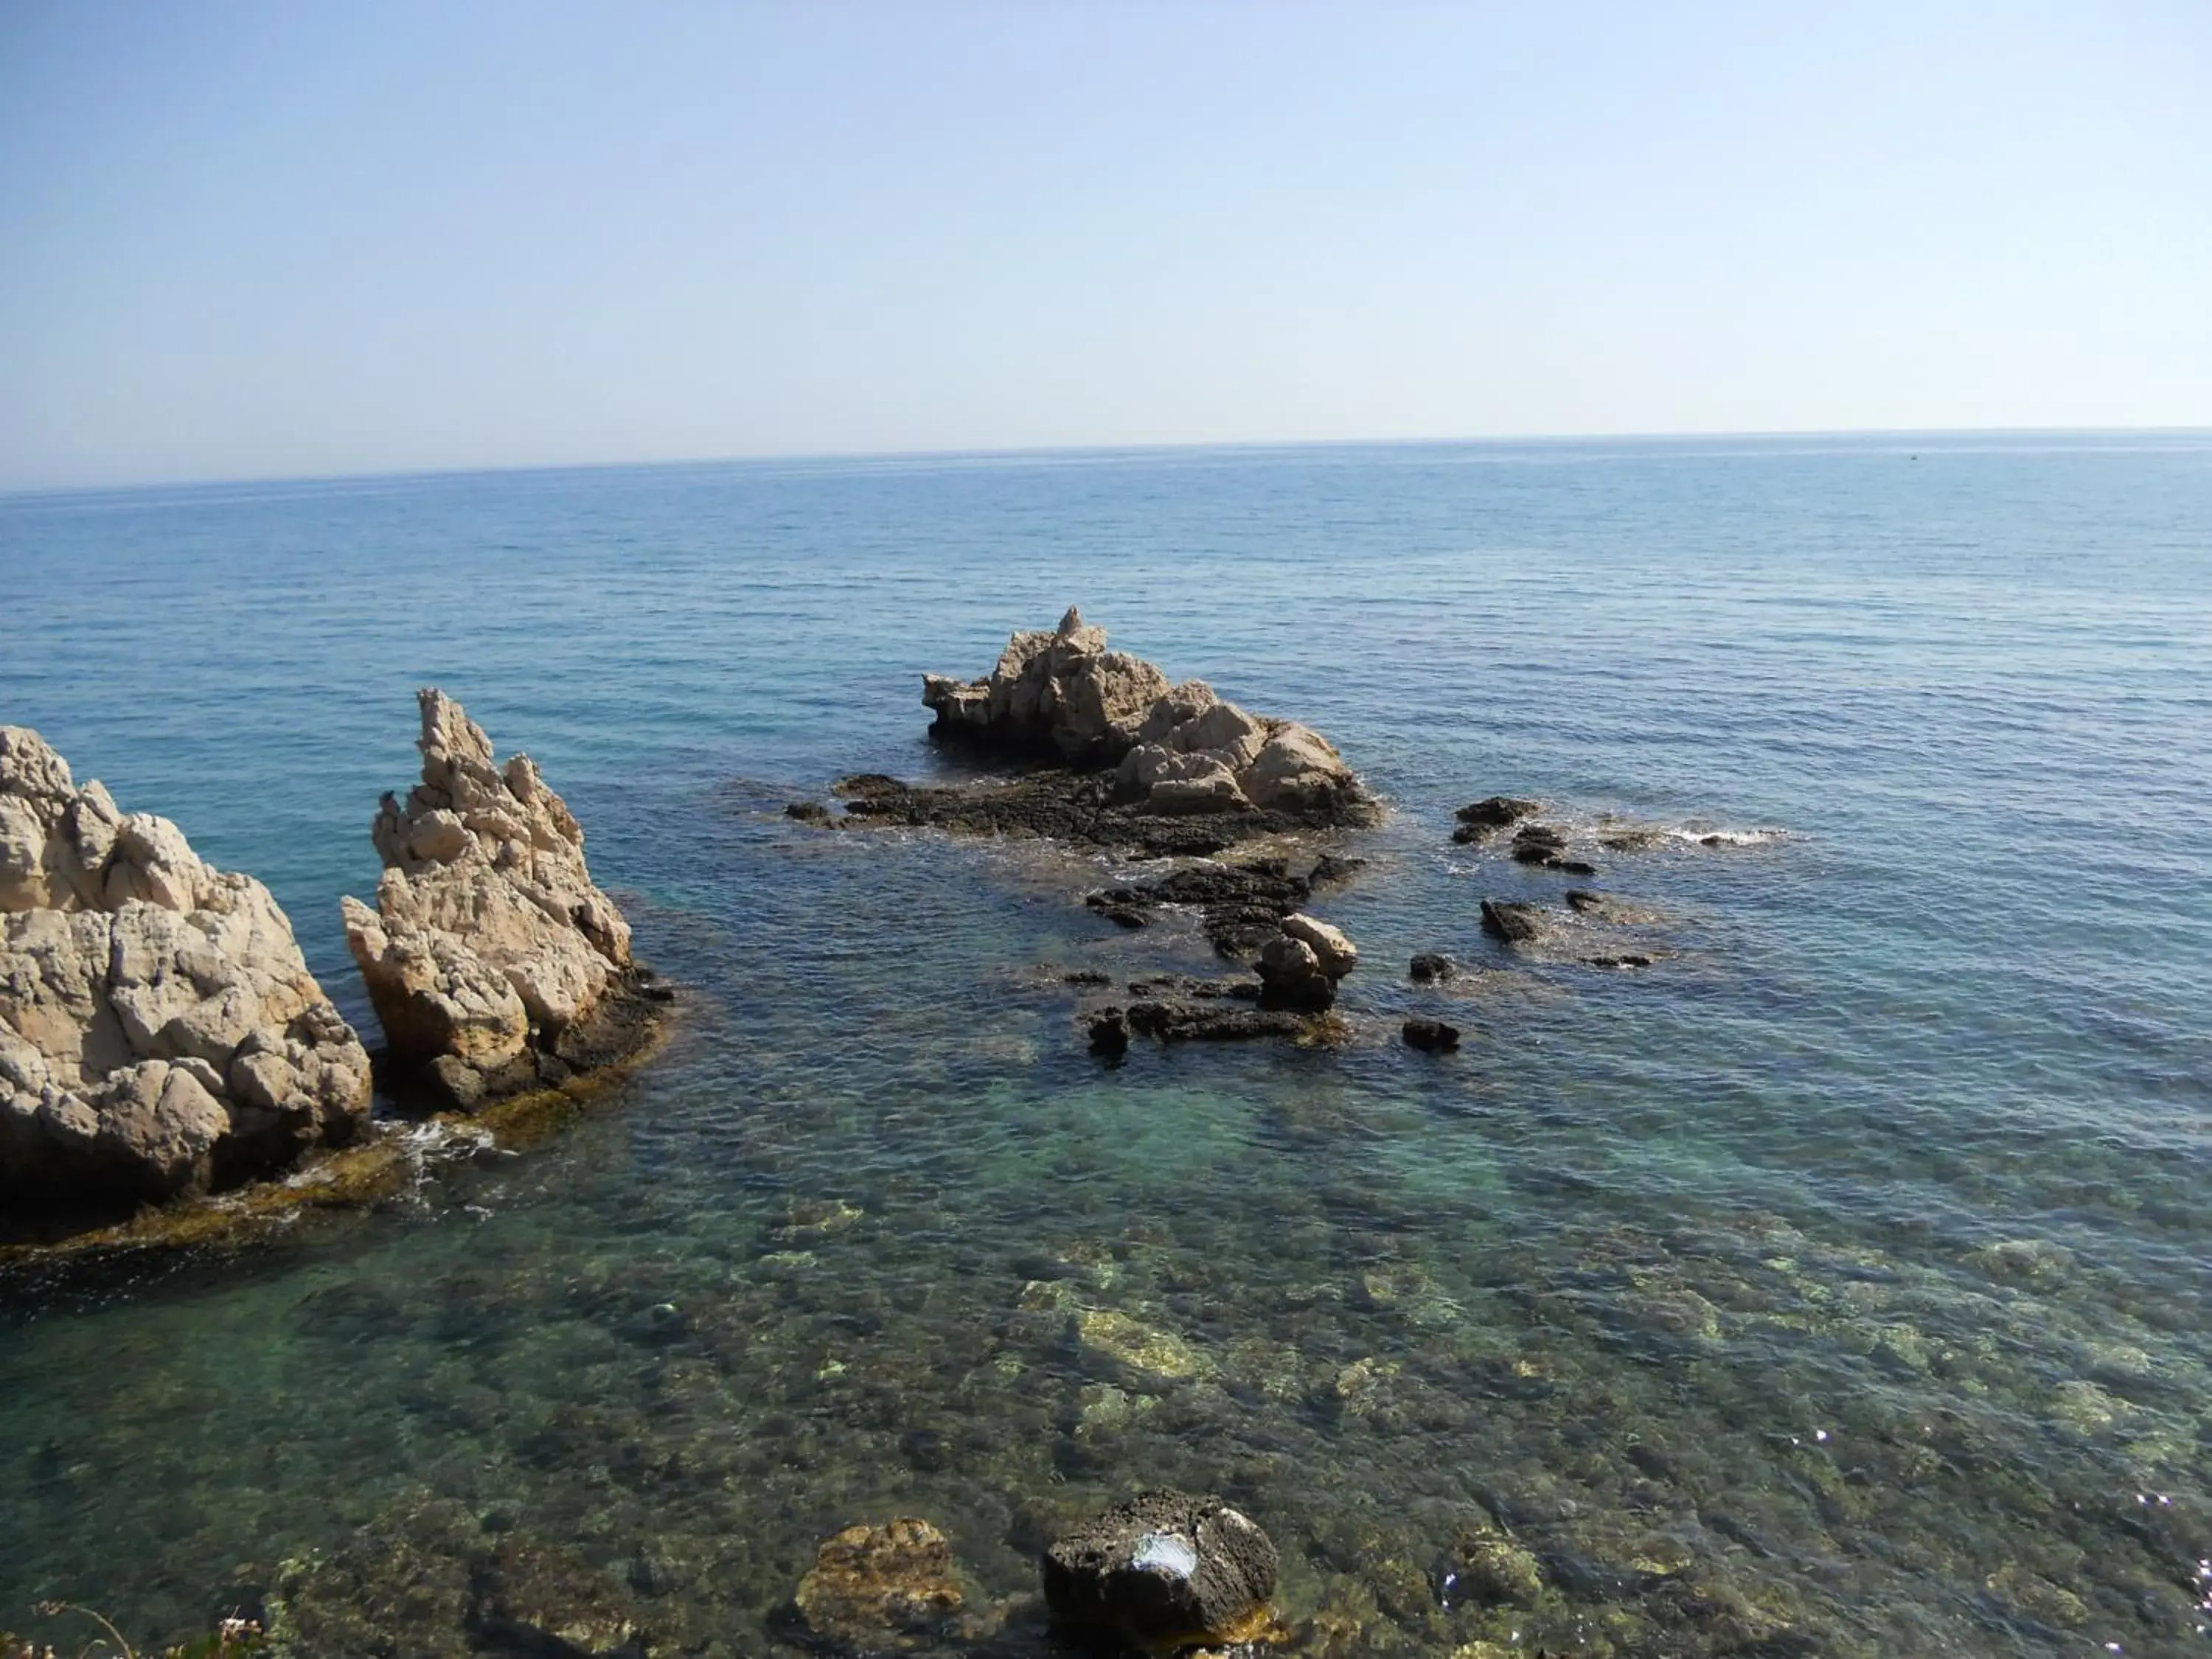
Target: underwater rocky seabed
column 1837, row 1285
column 876, row 1236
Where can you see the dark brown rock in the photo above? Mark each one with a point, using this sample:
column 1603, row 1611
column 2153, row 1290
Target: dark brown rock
column 1076, row 807
column 1495, row 812
column 1165, row 1570
column 1110, row 1033
column 1514, row 923
column 1209, row 1020
column 1241, row 905
column 1430, row 965
column 1430, row 1035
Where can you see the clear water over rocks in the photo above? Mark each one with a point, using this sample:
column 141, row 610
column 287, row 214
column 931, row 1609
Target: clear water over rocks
column 1838, row 1282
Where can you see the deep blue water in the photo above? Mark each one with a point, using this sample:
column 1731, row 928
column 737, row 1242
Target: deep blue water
column 1851, row 1265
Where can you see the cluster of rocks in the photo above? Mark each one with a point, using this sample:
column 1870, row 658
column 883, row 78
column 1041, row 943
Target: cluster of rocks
column 494, row 962
column 1544, row 845
column 1074, row 807
column 431, row 1579
column 1547, row 846
column 1299, row 967
column 1249, row 912
column 1241, row 907
column 1174, row 749
column 160, row 1032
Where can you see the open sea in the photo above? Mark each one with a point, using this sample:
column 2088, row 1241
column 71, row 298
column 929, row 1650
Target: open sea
column 1839, row 1284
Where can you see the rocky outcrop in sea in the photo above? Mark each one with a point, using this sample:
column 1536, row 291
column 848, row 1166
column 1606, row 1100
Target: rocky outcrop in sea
column 159, row 1033
column 1173, row 749
column 494, row 962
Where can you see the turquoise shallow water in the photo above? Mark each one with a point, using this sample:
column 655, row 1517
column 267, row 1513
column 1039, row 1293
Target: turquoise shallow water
column 1840, row 1284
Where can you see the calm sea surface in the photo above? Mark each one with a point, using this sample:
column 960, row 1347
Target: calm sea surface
column 1840, row 1284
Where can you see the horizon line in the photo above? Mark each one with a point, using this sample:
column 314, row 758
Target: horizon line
column 1047, row 452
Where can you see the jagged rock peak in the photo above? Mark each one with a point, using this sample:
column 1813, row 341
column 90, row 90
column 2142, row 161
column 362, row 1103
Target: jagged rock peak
column 1175, row 748
column 489, row 935
column 160, row 1032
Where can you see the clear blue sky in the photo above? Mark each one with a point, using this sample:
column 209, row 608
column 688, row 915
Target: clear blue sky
column 258, row 240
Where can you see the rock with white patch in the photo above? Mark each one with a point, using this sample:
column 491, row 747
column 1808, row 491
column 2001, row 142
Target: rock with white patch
column 1165, row 1570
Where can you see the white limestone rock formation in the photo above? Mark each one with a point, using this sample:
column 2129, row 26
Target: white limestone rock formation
column 1061, row 692
column 160, row 1032
column 488, row 939
column 1175, row 748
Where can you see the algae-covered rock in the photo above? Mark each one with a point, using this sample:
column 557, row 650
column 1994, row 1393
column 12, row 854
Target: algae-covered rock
column 1166, row 1569
column 1141, row 1347
column 1486, row 1568
column 427, row 1581
column 874, row 1586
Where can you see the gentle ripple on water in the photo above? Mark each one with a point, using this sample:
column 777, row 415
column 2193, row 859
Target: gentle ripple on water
column 1850, row 1268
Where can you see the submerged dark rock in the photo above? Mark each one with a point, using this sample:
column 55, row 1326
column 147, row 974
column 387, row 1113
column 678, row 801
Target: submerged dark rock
column 1242, row 906
column 1430, row 1035
column 1055, row 805
column 1480, row 819
column 1109, row 1032
column 1189, row 985
column 429, row 1577
column 1538, row 843
column 1165, row 1570
column 807, row 812
column 1514, row 923
column 1178, row 1019
column 1429, row 966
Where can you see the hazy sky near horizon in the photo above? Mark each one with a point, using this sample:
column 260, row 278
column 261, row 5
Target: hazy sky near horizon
column 255, row 240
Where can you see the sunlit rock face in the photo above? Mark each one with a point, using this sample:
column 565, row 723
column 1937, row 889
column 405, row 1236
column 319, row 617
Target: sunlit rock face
column 160, row 1032
column 1174, row 749
column 489, row 937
